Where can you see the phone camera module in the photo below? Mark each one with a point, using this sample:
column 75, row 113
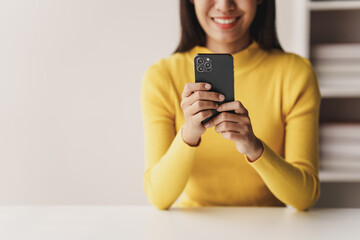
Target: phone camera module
column 203, row 64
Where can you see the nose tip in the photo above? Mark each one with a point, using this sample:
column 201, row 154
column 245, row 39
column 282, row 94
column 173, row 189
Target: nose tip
column 225, row 5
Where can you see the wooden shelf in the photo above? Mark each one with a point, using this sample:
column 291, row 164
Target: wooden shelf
column 336, row 93
column 321, row 23
column 333, row 48
column 339, row 176
column 333, row 5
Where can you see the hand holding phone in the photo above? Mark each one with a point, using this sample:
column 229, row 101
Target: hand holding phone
column 197, row 103
column 218, row 70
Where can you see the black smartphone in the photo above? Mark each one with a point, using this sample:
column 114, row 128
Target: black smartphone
column 218, row 70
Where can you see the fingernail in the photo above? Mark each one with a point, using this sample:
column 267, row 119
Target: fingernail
column 207, row 125
column 207, row 86
column 221, row 97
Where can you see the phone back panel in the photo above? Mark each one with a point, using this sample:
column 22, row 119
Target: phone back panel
column 220, row 75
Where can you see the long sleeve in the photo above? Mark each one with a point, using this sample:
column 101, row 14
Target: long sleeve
column 168, row 159
column 294, row 179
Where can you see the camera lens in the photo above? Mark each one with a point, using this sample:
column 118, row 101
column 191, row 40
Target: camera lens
column 200, row 69
column 208, row 65
column 200, row 61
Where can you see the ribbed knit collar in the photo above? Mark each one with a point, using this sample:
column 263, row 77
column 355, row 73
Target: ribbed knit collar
column 244, row 60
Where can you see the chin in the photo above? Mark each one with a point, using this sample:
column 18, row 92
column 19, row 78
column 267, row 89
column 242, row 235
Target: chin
column 228, row 38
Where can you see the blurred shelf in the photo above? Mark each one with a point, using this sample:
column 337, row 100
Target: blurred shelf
column 339, row 176
column 333, row 5
column 338, row 93
column 324, row 32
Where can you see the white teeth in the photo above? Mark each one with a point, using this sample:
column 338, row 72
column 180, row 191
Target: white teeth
column 224, row 21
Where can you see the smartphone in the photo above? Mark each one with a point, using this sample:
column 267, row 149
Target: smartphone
column 218, row 70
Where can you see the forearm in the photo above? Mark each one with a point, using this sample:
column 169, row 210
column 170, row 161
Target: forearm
column 293, row 184
column 165, row 181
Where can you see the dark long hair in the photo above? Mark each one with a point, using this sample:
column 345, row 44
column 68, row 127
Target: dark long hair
column 262, row 28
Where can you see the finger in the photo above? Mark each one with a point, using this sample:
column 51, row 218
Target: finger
column 237, row 106
column 200, row 106
column 204, row 95
column 224, row 116
column 199, row 117
column 192, row 87
column 231, row 135
column 228, row 126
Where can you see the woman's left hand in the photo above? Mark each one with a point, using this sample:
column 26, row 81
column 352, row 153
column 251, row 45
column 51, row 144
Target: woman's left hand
column 237, row 127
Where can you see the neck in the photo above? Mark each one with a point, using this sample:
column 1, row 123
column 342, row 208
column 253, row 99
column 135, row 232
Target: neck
column 233, row 47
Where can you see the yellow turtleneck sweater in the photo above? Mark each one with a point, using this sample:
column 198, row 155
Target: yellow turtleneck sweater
column 280, row 92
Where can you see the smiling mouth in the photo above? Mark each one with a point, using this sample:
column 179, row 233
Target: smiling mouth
column 225, row 22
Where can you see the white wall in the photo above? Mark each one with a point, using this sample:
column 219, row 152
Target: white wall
column 293, row 26
column 70, row 119
column 70, row 75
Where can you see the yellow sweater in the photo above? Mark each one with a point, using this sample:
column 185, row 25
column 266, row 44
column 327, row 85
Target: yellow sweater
column 280, row 92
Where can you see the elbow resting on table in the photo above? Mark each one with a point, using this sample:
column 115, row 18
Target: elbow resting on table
column 162, row 207
column 158, row 203
column 302, row 208
column 309, row 197
column 155, row 199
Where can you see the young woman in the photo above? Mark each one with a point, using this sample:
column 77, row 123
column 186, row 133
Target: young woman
column 264, row 154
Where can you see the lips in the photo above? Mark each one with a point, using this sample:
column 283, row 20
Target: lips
column 225, row 22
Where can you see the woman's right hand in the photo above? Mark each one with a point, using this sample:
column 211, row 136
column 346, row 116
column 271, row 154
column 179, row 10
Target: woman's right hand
column 197, row 104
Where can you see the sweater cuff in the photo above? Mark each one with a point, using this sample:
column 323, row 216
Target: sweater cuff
column 181, row 149
column 191, row 146
column 267, row 156
column 182, row 146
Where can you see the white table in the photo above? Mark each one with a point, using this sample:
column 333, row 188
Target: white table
column 146, row 222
